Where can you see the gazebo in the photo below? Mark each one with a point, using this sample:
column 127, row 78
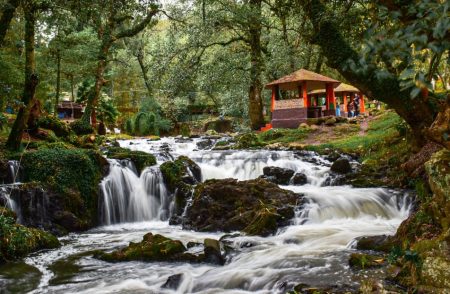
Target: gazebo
column 68, row 110
column 343, row 91
column 290, row 103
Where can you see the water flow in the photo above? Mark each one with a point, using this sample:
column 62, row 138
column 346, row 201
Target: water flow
column 128, row 197
column 6, row 190
column 313, row 250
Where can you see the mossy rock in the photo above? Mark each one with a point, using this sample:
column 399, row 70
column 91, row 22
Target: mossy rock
column 256, row 207
column 72, row 177
column 81, row 127
column 247, row 141
column 151, row 248
column 363, row 261
column 60, row 128
column 180, row 171
column 17, row 241
column 140, row 159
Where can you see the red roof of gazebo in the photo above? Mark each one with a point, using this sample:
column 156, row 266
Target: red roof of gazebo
column 313, row 81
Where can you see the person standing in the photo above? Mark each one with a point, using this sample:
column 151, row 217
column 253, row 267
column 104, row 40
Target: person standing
column 356, row 105
column 351, row 107
column 338, row 108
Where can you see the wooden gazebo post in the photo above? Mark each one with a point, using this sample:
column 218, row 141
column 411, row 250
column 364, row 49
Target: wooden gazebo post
column 361, row 103
column 344, row 100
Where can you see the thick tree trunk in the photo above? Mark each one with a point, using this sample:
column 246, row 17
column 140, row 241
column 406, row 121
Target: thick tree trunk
column 31, row 82
column 7, row 15
column 417, row 113
column 58, row 80
column 255, row 105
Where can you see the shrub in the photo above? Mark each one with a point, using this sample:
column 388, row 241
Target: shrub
column 60, row 128
column 81, row 127
column 17, row 241
column 66, row 171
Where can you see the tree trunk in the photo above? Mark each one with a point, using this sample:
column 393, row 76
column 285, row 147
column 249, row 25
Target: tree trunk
column 319, row 63
column 417, row 113
column 140, row 59
column 58, row 80
column 31, row 82
column 255, row 105
column 7, row 15
column 89, row 115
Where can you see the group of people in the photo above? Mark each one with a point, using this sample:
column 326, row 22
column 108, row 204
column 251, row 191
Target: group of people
column 353, row 107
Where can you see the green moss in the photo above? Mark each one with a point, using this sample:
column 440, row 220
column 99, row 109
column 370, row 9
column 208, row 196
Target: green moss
column 60, row 128
column 17, row 241
column 360, row 260
column 140, row 159
column 173, row 171
column 80, row 127
column 152, row 248
column 73, row 173
column 247, row 141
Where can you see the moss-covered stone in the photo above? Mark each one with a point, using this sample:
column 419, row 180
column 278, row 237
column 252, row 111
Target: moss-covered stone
column 255, row 207
column 182, row 170
column 247, row 141
column 71, row 176
column 17, row 241
column 81, row 127
column 152, row 248
column 60, row 128
column 360, row 260
column 140, row 159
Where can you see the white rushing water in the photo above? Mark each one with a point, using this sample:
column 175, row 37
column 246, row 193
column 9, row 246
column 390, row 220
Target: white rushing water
column 313, row 250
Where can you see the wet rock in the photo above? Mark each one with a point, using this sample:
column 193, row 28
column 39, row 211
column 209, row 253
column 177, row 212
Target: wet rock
column 151, row 248
column 193, row 244
column 212, row 252
column 278, row 175
column 183, row 140
column 140, row 159
column 256, row 207
column 180, row 176
column 341, row 166
column 333, row 156
column 182, row 170
column 205, row 144
column 299, row 179
column 362, row 261
column 247, row 141
column 173, row 282
column 377, row 243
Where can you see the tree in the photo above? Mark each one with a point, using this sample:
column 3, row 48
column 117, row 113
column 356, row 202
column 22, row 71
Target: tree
column 30, row 9
column 114, row 20
column 379, row 82
column 8, row 10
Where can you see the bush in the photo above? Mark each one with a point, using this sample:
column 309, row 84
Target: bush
column 81, row 127
column 66, row 171
column 140, row 159
column 60, row 128
column 16, row 240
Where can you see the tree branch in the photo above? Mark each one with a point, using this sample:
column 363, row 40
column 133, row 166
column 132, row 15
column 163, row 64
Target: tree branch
column 138, row 27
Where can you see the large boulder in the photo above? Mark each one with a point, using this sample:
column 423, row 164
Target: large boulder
column 341, row 166
column 140, row 159
column 256, row 207
column 219, row 125
column 160, row 248
column 179, row 176
column 66, row 193
column 299, row 179
column 278, row 175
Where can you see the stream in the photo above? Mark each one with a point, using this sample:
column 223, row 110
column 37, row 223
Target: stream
column 313, row 250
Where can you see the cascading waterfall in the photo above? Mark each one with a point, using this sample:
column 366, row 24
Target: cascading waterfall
column 128, row 197
column 313, row 249
column 13, row 178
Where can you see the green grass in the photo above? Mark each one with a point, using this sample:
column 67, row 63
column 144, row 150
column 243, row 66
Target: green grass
column 283, row 135
column 381, row 133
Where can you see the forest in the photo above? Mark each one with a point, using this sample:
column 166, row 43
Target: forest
column 211, row 144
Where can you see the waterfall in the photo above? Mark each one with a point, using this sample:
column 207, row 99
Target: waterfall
column 12, row 179
column 14, row 172
column 128, row 197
